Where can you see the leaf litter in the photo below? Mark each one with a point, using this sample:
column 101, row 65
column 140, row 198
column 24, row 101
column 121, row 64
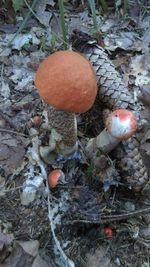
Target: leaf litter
column 65, row 222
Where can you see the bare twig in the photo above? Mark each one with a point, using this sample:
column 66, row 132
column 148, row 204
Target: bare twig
column 67, row 260
column 13, row 132
column 111, row 218
column 10, row 189
column 40, row 163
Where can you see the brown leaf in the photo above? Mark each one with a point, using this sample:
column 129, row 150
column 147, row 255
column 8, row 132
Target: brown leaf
column 12, row 151
column 39, row 262
column 5, row 243
column 44, row 16
column 7, row 12
column 18, row 258
column 98, row 258
column 5, row 240
column 31, row 247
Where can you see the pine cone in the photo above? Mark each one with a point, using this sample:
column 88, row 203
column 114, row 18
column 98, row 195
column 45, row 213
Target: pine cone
column 114, row 94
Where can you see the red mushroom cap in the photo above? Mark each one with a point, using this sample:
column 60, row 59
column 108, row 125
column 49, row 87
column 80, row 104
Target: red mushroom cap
column 54, row 177
column 67, row 81
column 121, row 124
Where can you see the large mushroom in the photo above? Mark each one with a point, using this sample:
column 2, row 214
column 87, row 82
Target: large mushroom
column 67, row 82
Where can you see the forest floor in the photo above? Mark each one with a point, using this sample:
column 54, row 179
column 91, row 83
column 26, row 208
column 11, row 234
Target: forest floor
column 76, row 223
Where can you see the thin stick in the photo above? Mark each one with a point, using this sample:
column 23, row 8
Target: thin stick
column 111, row 218
column 10, row 190
column 50, row 214
column 13, row 132
column 67, row 260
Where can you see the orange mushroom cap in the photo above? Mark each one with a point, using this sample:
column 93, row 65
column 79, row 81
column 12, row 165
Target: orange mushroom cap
column 67, row 81
column 54, row 177
column 121, row 124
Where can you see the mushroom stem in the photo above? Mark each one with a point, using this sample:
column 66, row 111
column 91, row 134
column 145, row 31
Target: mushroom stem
column 104, row 141
column 63, row 125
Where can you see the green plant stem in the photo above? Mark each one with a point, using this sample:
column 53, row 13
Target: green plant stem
column 93, row 10
column 104, row 5
column 62, row 20
column 125, row 6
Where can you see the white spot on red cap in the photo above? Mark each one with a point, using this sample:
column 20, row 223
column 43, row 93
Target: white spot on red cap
column 121, row 124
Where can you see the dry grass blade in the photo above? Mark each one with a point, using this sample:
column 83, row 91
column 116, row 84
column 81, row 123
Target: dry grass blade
column 125, row 6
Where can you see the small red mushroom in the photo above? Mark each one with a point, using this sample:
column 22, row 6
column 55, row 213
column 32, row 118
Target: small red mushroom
column 108, row 231
column 120, row 125
column 55, row 177
column 34, row 122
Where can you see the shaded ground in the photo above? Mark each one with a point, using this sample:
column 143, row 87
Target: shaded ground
column 81, row 211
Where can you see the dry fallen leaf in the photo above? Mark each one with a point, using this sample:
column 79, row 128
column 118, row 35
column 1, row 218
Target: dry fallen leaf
column 43, row 15
column 140, row 68
column 98, row 258
column 5, row 245
column 12, row 152
column 123, row 40
column 18, row 258
column 23, row 253
column 31, row 247
column 39, row 262
column 5, row 240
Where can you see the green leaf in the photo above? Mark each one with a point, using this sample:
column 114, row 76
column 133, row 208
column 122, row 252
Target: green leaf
column 17, row 4
column 62, row 21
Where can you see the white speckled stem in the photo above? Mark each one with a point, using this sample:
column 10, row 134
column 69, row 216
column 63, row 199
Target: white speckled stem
column 104, row 141
column 63, row 127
